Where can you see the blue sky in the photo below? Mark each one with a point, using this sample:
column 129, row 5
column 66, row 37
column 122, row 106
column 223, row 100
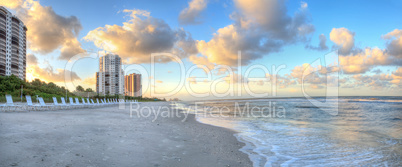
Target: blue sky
column 365, row 21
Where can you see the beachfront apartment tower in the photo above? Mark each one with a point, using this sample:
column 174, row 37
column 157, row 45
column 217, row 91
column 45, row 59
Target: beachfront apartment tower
column 110, row 78
column 12, row 45
column 132, row 85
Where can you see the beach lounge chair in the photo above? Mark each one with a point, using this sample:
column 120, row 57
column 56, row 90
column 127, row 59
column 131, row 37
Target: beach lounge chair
column 10, row 104
column 63, row 103
column 3, row 107
column 56, row 104
column 71, row 100
column 104, row 102
column 77, row 103
column 83, row 102
column 42, row 104
column 72, row 104
column 91, row 102
column 97, row 102
column 30, row 105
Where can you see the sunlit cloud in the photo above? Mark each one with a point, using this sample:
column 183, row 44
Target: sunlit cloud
column 260, row 27
column 192, row 14
column 141, row 36
column 394, row 42
column 48, row 74
column 48, row 31
column 364, row 61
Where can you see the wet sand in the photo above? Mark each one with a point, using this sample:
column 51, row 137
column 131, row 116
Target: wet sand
column 110, row 137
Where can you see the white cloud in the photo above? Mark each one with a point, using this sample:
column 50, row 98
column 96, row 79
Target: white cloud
column 48, row 31
column 140, row 36
column 344, row 40
column 260, row 27
column 394, row 42
column 191, row 14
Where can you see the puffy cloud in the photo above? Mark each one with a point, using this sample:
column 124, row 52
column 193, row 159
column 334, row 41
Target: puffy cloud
column 364, row 61
column 397, row 77
column 185, row 44
column 377, row 82
column 140, row 36
column 260, row 27
column 49, row 75
column 271, row 16
column 48, row 31
column 354, row 60
column 31, row 60
column 321, row 46
column 394, row 44
column 11, row 3
column 70, row 48
column 398, row 72
column 320, row 77
column 224, row 47
column 191, row 14
column 344, row 39
column 159, row 81
column 316, row 77
column 306, row 74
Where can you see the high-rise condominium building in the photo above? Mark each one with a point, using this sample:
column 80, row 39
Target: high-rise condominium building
column 110, row 78
column 12, row 45
column 132, row 85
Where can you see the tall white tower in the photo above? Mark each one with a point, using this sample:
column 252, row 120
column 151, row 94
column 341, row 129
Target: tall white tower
column 12, row 45
column 110, row 78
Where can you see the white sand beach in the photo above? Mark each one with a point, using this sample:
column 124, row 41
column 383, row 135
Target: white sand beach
column 110, row 137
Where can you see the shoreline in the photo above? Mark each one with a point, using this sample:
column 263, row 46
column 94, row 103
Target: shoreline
column 109, row 137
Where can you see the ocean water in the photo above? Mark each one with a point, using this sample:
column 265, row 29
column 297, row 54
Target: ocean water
column 344, row 131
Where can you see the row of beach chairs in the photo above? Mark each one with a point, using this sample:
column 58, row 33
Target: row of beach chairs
column 85, row 103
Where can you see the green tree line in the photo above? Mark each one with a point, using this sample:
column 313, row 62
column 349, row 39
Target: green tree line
column 12, row 85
